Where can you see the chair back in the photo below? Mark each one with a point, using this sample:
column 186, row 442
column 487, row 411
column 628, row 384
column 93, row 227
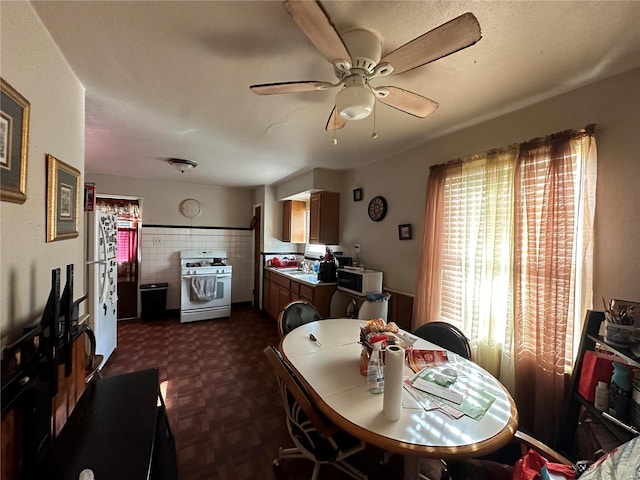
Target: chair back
column 294, row 395
column 296, row 313
column 446, row 336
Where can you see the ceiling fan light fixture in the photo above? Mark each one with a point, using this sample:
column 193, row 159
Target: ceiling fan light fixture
column 182, row 165
column 355, row 103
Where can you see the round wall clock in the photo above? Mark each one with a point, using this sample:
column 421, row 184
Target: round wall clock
column 377, row 208
column 190, row 208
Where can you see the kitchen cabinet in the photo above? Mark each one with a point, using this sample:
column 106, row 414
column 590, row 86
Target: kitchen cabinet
column 277, row 293
column 294, row 223
column 279, row 290
column 324, row 218
column 588, row 341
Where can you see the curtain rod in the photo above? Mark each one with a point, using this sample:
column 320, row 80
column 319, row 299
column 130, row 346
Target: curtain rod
column 588, row 130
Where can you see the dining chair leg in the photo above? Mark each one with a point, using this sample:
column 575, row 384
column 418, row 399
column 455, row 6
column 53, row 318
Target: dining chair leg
column 386, row 456
column 316, row 471
column 350, row 470
column 411, row 467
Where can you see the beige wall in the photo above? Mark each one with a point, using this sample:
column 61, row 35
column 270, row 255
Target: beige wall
column 613, row 104
column 32, row 64
column 221, row 206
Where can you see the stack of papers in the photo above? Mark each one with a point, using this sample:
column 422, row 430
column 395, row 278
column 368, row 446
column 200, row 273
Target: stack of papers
column 440, row 387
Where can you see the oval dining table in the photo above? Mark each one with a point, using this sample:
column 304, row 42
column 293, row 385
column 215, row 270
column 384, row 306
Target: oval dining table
column 329, row 369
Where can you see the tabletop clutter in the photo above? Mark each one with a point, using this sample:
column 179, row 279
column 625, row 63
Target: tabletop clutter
column 434, row 384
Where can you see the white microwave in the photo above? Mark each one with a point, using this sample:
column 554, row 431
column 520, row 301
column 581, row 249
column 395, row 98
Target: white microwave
column 359, row 282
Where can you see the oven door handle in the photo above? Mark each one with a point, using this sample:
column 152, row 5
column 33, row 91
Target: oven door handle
column 188, row 277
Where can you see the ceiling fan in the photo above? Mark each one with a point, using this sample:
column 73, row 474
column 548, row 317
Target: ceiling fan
column 356, row 56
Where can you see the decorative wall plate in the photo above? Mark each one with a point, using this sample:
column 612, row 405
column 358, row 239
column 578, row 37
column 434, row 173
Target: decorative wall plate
column 377, row 208
column 190, row 208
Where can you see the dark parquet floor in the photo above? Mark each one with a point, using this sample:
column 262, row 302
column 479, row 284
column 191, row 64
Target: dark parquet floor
column 221, row 396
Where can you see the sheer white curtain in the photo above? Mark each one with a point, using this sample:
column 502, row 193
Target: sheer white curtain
column 476, row 264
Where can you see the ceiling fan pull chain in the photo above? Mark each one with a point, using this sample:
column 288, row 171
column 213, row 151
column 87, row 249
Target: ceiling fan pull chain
column 335, row 119
column 374, row 134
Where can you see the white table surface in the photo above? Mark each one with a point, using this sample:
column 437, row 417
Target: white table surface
column 332, row 375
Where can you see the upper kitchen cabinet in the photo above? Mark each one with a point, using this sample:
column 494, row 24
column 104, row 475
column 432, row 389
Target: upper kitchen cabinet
column 294, row 221
column 324, row 218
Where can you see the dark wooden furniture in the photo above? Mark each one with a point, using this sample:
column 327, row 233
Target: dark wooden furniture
column 588, row 341
column 119, row 429
column 43, row 376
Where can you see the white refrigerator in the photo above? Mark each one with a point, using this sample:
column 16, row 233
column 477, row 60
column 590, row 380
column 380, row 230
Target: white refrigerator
column 102, row 272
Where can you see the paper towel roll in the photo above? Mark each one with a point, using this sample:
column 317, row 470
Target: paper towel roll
column 393, row 373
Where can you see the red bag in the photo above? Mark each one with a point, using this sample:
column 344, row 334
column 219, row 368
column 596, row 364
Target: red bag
column 528, row 467
column 595, row 367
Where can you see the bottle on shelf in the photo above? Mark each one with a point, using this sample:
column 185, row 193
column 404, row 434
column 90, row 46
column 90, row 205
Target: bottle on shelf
column 602, row 397
column 375, row 370
column 620, row 392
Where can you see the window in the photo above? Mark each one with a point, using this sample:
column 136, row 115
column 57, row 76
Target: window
column 507, row 258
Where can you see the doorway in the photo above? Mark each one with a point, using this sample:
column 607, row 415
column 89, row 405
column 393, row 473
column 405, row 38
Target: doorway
column 127, row 250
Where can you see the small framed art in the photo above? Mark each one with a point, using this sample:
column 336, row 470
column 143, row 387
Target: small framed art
column 14, row 143
column 357, row 194
column 404, row 231
column 63, row 198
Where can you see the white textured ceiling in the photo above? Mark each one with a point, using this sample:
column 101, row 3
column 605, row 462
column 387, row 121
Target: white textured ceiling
column 171, row 79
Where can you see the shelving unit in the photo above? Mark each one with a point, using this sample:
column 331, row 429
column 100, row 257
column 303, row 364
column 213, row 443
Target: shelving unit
column 588, row 341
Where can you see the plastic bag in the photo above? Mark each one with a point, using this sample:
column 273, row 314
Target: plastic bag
column 622, row 463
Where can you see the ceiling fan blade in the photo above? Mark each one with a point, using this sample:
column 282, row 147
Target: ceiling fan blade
column 288, row 87
column 448, row 38
column 317, row 26
column 335, row 122
column 409, row 102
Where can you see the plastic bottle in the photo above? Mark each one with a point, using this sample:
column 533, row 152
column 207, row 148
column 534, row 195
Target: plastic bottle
column 375, row 370
column 602, row 397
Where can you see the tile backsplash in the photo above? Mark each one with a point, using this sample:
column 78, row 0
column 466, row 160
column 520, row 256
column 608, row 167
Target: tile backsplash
column 160, row 249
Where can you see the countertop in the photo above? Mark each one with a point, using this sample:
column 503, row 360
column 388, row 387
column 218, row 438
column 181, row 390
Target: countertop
column 294, row 273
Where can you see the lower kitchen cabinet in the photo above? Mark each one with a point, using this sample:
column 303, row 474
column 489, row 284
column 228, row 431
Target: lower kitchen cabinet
column 279, row 290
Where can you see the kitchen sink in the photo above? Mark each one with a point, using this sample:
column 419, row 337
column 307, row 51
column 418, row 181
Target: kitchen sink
column 297, row 274
column 306, row 277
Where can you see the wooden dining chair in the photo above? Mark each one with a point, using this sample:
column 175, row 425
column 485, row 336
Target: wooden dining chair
column 296, row 313
column 446, row 336
column 314, row 437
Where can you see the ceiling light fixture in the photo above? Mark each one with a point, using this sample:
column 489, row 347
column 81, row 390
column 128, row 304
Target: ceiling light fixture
column 182, row 165
column 356, row 100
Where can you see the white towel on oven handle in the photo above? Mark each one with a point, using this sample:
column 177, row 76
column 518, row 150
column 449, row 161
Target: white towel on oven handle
column 203, row 288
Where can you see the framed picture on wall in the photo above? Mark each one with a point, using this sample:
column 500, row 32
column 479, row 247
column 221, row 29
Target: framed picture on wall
column 404, row 231
column 63, row 198
column 14, row 143
column 357, row 194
